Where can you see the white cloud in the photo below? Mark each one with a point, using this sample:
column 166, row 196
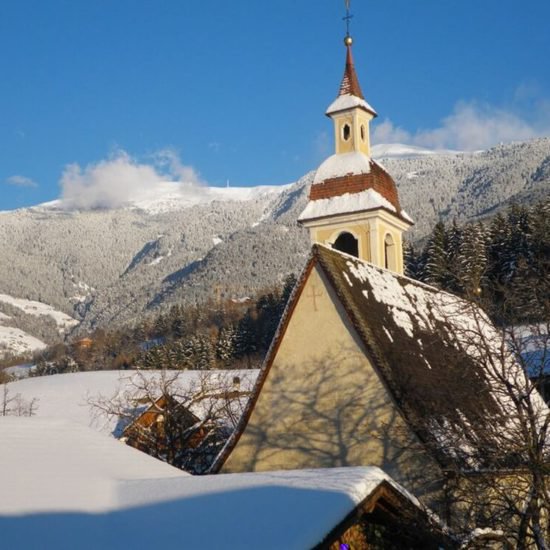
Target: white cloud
column 471, row 126
column 121, row 179
column 21, row 181
column 169, row 160
column 386, row 132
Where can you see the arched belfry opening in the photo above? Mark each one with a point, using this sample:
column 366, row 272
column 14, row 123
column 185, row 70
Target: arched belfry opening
column 390, row 254
column 347, row 243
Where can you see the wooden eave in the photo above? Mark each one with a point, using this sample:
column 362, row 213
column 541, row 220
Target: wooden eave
column 394, row 504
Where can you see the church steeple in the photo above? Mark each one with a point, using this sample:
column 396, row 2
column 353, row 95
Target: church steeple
column 350, row 112
column 353, row 202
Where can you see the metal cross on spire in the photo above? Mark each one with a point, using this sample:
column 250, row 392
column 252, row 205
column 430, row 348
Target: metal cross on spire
column 348, row 17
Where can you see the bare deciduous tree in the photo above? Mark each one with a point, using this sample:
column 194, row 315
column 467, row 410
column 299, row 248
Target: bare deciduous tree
column 179, row 417
column 15, row 405
column 501, row 479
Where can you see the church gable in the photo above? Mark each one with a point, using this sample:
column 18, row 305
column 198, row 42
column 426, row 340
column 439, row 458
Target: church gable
column 369, row 367
column 319, row 402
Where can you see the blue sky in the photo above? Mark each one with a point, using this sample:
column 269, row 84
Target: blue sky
column 212, row 91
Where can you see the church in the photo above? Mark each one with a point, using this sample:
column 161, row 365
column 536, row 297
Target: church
column 369, row 367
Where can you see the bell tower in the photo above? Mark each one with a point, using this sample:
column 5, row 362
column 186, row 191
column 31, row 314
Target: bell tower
column 353, row 202
column 350, row 113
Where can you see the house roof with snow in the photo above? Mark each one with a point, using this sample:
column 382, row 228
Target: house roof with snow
column 433, row 350
column 66, row 486
column 49, row 465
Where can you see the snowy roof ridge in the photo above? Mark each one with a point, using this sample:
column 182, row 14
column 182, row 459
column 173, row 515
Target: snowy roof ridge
column 346, row 204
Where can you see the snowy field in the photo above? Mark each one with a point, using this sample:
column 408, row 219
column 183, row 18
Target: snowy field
column 19, row 342
column 39, row 309
column 67, row 396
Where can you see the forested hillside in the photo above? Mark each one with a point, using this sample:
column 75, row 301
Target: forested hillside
column 503, row 263
column 108, row 268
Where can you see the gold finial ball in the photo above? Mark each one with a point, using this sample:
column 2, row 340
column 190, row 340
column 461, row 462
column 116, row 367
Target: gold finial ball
column 348, row 41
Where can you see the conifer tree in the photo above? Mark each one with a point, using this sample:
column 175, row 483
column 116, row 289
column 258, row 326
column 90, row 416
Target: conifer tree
column 435, row 266
column 225, row 345
column 411, row 261
column 471, row 261
column 246, row 337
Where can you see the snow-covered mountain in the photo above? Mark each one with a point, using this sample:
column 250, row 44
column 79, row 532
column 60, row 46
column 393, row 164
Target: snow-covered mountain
column 112, row 266
column 170, row 196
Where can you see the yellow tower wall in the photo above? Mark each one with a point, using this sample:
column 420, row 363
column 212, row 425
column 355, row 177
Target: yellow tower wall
column 358, row 141
column 370, row 229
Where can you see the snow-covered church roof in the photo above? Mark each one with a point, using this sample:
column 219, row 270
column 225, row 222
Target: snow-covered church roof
column 445, row 364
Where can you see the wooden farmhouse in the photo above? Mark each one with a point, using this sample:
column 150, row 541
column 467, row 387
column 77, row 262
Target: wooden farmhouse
column 386, row 516
column 149, row 429
column 369, row 367
column 188, row 433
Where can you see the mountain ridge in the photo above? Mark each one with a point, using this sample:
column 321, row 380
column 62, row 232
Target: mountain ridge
column 109, row 267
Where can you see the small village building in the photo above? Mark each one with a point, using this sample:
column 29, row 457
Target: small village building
column 186, row 432
column 148, row 430
column 77, row 488
column 84, row 343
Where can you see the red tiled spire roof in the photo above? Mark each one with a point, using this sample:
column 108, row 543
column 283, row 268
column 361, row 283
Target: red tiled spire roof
column 350, row 82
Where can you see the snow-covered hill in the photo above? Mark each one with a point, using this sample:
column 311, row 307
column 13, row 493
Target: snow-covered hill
column 42, row 320
column 14, row 341
column 185, row 244
column 38, row 309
